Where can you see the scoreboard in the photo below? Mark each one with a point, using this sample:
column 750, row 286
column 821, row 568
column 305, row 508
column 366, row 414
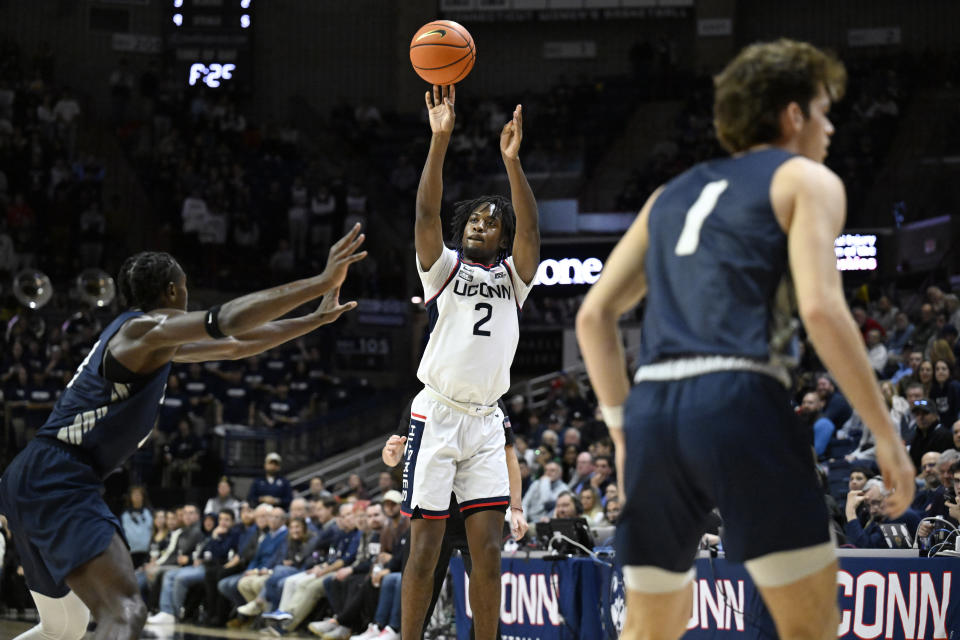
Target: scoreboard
column 209, row 43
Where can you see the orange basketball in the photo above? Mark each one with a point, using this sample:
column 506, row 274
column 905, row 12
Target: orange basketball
column 442, row 52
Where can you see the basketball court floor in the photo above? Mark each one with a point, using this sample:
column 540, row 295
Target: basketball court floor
column 12, row 628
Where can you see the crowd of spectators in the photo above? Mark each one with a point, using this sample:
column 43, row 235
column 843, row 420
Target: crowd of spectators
column 914, row 357
column 50, row 195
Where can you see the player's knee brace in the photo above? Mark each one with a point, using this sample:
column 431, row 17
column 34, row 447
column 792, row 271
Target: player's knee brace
column 63, row 618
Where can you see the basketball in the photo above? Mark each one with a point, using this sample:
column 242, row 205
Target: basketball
column 442, row 52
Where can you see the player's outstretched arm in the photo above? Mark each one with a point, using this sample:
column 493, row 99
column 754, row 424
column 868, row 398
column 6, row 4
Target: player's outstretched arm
column 621, row 286
column 246, row 313
column 818, row 202
column 266, row 337
column 526, row 238
column 428, row 230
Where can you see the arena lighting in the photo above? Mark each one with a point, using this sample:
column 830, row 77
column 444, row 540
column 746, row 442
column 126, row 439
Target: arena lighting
column 178, row 19
column 244, row 4
column 245, row 21
column 856, row 252
column 177, row 4
column 569, row 271
column 416, row 300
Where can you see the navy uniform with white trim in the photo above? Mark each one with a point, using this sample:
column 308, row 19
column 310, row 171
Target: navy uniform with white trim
column 711, row 412
column 456, row 441
column 51, row 492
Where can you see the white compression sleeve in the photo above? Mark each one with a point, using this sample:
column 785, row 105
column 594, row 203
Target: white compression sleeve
column 63, row 618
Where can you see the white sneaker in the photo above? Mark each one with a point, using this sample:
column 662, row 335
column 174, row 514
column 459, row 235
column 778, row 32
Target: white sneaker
column 251, row 609
column 388, row 634
column 372, row 632
column 323, row 626
column 162, row 618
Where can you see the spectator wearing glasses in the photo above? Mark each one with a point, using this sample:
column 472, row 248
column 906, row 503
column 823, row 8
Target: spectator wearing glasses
column 867, row 534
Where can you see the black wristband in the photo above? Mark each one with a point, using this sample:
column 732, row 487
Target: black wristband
column 212, row 323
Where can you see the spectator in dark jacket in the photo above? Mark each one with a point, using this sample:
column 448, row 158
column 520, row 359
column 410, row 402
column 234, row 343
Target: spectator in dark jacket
column 272, row 489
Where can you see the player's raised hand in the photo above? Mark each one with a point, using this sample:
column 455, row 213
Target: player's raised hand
column 330, row 308
column 898, row 475
column 440, row 108
column 512, row 134
column 343, row 254
column 393, row 450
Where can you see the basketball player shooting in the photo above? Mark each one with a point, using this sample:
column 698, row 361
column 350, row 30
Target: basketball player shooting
column 456, row 441
column 708, row 422
column 74, row 557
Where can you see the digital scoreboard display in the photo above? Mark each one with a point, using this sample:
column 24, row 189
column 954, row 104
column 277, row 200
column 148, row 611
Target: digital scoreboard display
column 209, row 43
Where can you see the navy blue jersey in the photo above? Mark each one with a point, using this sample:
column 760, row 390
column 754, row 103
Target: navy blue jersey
column 106, row 419
column 715, row 260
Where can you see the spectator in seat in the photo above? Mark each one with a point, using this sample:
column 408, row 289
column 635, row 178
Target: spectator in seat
column 582, row 472
column 270, row 552
column 542, row 496
column 928, row 480
column 811, row 414
column 926, row 328
column 568, row 506
column 385, row 482
column 900, row 334
column 945, row 392
column 835, row 406
column 182, row 457
column 317, row 492
column 876, row 351
column 865, row 322
column 253, row 526
column 592, row 505
column 224, row 499
column 955, row 431
column 279, row 409
column 611, row 510
column 137, row 521
column 909, row 372
column 603, row 475
column 272, row 488
column 930, row 435
column 189, row 540
column 868, row 535
column 858, row 478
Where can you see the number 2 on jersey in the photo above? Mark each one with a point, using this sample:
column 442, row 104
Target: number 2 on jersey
column 483, row 306
column 696, row 215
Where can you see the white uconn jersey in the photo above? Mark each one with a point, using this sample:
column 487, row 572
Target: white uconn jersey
column 474, row 327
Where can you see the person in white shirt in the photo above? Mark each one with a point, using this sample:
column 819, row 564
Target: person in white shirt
column 474, row 295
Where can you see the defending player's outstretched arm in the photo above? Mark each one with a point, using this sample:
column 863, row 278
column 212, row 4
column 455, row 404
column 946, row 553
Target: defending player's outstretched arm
column 267, row 336
column 526, row 238
column 428, row 229
column 149, row 341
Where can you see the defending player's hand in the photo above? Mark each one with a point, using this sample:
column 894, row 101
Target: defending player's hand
column 511, row 135
column 440, row 108
column 518, row 524
column 393, row 450
column 898, row 475
column 330, row 308
column 343, row 254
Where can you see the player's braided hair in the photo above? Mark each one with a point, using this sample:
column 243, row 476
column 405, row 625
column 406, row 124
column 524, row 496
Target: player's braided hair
column 502, row 210
column 144, row 276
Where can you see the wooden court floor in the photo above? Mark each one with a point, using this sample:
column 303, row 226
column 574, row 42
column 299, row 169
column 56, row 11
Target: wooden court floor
column 11, row 629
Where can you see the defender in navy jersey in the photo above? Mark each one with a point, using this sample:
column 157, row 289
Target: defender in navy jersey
column 455, row 441
column 74, row 556
column 708, row 422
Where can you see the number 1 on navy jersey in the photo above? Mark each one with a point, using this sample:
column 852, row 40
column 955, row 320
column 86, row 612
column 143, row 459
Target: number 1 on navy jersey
column 696, row 215
column 483, row 306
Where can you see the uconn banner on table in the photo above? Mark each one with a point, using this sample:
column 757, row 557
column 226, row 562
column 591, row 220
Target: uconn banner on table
column 580, row 599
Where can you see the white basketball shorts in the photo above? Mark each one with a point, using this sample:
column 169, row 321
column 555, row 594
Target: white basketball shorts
column 454, row 447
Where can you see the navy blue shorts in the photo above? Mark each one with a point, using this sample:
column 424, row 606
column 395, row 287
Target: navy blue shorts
column 728, row 440
column 59, row 521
